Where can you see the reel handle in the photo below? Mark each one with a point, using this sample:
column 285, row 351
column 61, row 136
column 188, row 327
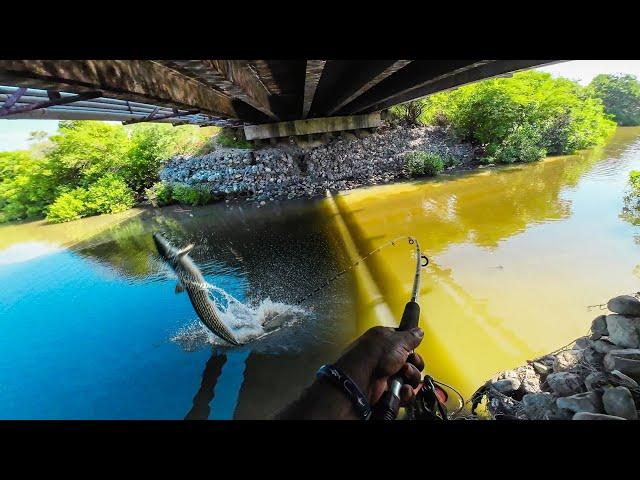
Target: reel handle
column 389, row 403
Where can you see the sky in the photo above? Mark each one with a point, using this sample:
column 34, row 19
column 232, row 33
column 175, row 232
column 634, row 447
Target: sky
column 14, row 133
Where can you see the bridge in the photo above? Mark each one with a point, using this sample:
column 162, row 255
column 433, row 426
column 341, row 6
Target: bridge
column 267, row 98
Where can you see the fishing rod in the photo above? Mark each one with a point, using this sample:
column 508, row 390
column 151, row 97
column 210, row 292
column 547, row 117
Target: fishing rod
column 389, row 403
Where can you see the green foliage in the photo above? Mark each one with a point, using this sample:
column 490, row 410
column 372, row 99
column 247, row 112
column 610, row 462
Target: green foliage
column 68, row 206
column 522, row 118
column 631, row 208
column 634, row 180
column 159, row 194
column 620, row 95
column 424, row 163
column 232, row 138
column 193, row 196
column 522, row 144
column 26, row 185
column 109, row 194
column 110, row 163
column 410, row 112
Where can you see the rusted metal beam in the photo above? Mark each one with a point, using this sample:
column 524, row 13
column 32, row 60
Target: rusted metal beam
column 342, row 100
column 480, row 71
column 56, row 100
column 234, row 78
column 11, row 101
column 152, row 117
column 137, row 80
column 312, row 77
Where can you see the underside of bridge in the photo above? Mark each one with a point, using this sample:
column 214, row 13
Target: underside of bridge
column 269, row 98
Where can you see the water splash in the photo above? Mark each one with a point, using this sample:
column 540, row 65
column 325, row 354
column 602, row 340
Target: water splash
column 249, row 322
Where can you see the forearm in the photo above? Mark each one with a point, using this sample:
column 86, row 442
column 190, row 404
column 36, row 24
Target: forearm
column 320, row 401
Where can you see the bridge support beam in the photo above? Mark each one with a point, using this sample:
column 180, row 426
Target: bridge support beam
column 311, row 126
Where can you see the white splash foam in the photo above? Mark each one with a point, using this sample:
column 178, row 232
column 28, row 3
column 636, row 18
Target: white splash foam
column 247, row 322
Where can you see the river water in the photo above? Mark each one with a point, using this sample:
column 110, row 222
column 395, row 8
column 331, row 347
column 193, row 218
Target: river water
column 90, row 326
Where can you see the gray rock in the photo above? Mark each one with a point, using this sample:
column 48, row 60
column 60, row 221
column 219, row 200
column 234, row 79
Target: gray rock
column 506, row 385
column 581, row 402
column 595, row 416
column 596, row 381
column 624, row 380
column 581, row 343
column 599, row 325
column 625, row 305
column 538, row 406
column 567, row 360
column 619, row 402
column 626, row 361
column 542, row 369
column 565, row 383
column 624, row 331
column 593, row 358
column 603, row 345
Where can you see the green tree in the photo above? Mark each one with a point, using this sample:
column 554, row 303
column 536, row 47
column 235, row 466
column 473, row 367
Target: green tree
column 523, row 117
column 620, row 95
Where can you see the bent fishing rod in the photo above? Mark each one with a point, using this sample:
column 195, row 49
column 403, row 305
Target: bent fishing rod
column 389, row 403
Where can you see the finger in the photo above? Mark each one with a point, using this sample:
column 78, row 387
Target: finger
column 407, row 395
column 410, row 374
column 408, row 339
column 416, row 360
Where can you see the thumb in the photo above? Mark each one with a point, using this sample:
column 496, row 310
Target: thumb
column 409, row 339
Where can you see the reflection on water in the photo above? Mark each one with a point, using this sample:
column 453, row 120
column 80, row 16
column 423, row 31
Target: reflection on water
column 516, row 256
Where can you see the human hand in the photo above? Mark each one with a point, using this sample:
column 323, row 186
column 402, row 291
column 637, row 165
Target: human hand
column 380, row 353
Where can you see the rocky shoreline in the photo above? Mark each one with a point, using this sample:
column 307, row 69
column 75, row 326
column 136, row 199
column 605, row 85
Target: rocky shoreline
column 594, row 378
column 287, row 171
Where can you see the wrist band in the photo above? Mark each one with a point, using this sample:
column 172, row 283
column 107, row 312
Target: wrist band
column 348, row 386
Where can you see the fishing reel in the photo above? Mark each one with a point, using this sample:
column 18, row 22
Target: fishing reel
column 430, row 402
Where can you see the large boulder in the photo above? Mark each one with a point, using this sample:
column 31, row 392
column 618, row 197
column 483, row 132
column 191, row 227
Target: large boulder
column 624, row 331
column 595, row 416
column 626, row 361
column 581, row 402
column 619, row 402
column 567, row 360
column 564, row 384
column 625, row 305
column 538, row 406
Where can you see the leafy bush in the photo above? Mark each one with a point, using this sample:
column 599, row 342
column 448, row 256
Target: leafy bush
column 83, row 154
column 518, row 118
column 620, row 95
column 522, row 144
column 232, row 138
column 68, row 206
column 193, row 196
column 410, row 112
column 110, row 194
column 424, row 163
column 159, row 194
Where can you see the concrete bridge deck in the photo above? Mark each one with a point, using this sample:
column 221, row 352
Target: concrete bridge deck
column 269, row 98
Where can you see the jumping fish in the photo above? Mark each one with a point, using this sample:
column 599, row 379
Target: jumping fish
column 190, row 279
